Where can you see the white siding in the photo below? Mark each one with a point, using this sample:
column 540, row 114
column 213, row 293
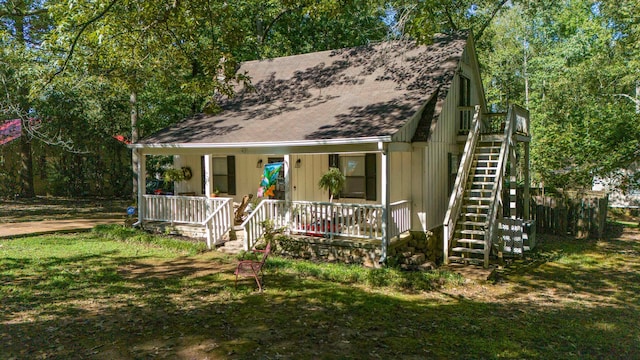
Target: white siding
column 304, row 180
column 193, row 184
column 401, row 175
column 435, row 182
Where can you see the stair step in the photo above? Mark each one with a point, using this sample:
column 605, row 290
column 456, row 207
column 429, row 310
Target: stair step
column 471, row 232
column 461, row 249
column 474, row 215
column 474, row 206
column 471, row 241
column 483, row 194
column 484, row 169
column 477, row 198
column 490, row 164
column 482, row 183
column 472, row 223
column 459, row 259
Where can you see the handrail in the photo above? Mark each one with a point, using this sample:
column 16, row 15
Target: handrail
column 496, row 193
column 218, row 223
column 252, row 225
column 455, row 201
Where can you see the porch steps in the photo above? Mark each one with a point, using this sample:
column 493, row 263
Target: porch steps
column 469, row 245
column 235, row 244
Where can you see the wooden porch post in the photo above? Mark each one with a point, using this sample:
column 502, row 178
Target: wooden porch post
column 287, row 188
column 141, row 175
column 384, row 198
column 527, row 183
column 207, row 175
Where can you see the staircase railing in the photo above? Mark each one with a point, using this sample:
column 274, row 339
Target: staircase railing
column 495, row 209
column 218, row 223
column 456, row 199
column 266, row 210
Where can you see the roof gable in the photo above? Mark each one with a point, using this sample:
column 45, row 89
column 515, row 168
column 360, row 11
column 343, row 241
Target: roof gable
column 365, row 92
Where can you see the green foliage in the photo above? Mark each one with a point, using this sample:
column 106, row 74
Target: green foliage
column 333, row 181
column 573, row 61
column 359, row 275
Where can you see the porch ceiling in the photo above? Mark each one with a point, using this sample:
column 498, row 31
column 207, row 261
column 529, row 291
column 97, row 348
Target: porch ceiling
column 348, row 97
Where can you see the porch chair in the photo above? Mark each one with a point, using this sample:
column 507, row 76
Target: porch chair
column 253, row 268
column 241, row 212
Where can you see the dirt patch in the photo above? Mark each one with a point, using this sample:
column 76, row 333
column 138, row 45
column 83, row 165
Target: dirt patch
column 56, row 208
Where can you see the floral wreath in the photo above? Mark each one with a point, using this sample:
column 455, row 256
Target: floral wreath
column 188, row 174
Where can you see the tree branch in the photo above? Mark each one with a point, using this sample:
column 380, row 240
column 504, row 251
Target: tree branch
column 77, row 38
column 484, row 26
column 634, row 100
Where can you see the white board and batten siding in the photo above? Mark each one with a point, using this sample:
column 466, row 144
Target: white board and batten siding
column 431, row 189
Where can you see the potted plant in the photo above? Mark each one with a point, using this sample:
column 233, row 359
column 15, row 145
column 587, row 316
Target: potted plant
column 332, row 181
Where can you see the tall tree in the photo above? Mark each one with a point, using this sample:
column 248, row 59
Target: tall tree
column 22, row 25
column 573, row 58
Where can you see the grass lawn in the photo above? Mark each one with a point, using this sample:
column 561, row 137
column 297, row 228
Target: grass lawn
column 117, row 294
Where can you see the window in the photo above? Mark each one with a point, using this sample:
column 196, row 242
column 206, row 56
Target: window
column 223, row 171
column 220, row 174
column 353, row 169
column 360, row 173
column 465, row 101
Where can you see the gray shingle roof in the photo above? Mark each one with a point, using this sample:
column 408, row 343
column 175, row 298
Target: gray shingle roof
column 368, row 91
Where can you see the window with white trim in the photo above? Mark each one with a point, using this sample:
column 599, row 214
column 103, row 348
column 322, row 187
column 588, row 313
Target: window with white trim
column 353, row 168
column 220, row 174
column 360, row 174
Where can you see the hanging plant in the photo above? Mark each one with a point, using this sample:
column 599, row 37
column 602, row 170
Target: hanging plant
column 176, row 175
column 173, row 175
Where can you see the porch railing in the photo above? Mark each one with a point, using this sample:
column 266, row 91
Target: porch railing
column 326, row 219
column 400, row 218
column 214, row 213
column 493, row 123
column 465, row 120
column 219, row 222
column 267, row 209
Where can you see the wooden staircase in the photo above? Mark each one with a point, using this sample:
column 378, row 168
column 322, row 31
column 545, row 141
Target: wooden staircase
column 469, row 244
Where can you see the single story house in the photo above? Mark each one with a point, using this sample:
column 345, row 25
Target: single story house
column 400, row 120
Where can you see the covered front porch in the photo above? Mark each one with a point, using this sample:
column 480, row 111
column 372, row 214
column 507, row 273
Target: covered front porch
column 374, row 208
column 326, row 220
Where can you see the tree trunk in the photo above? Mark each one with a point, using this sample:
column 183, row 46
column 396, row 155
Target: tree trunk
column 26, row 165
column 134, row 139
column 26, row 157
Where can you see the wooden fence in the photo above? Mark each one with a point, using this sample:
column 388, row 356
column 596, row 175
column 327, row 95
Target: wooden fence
column 582, row 214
